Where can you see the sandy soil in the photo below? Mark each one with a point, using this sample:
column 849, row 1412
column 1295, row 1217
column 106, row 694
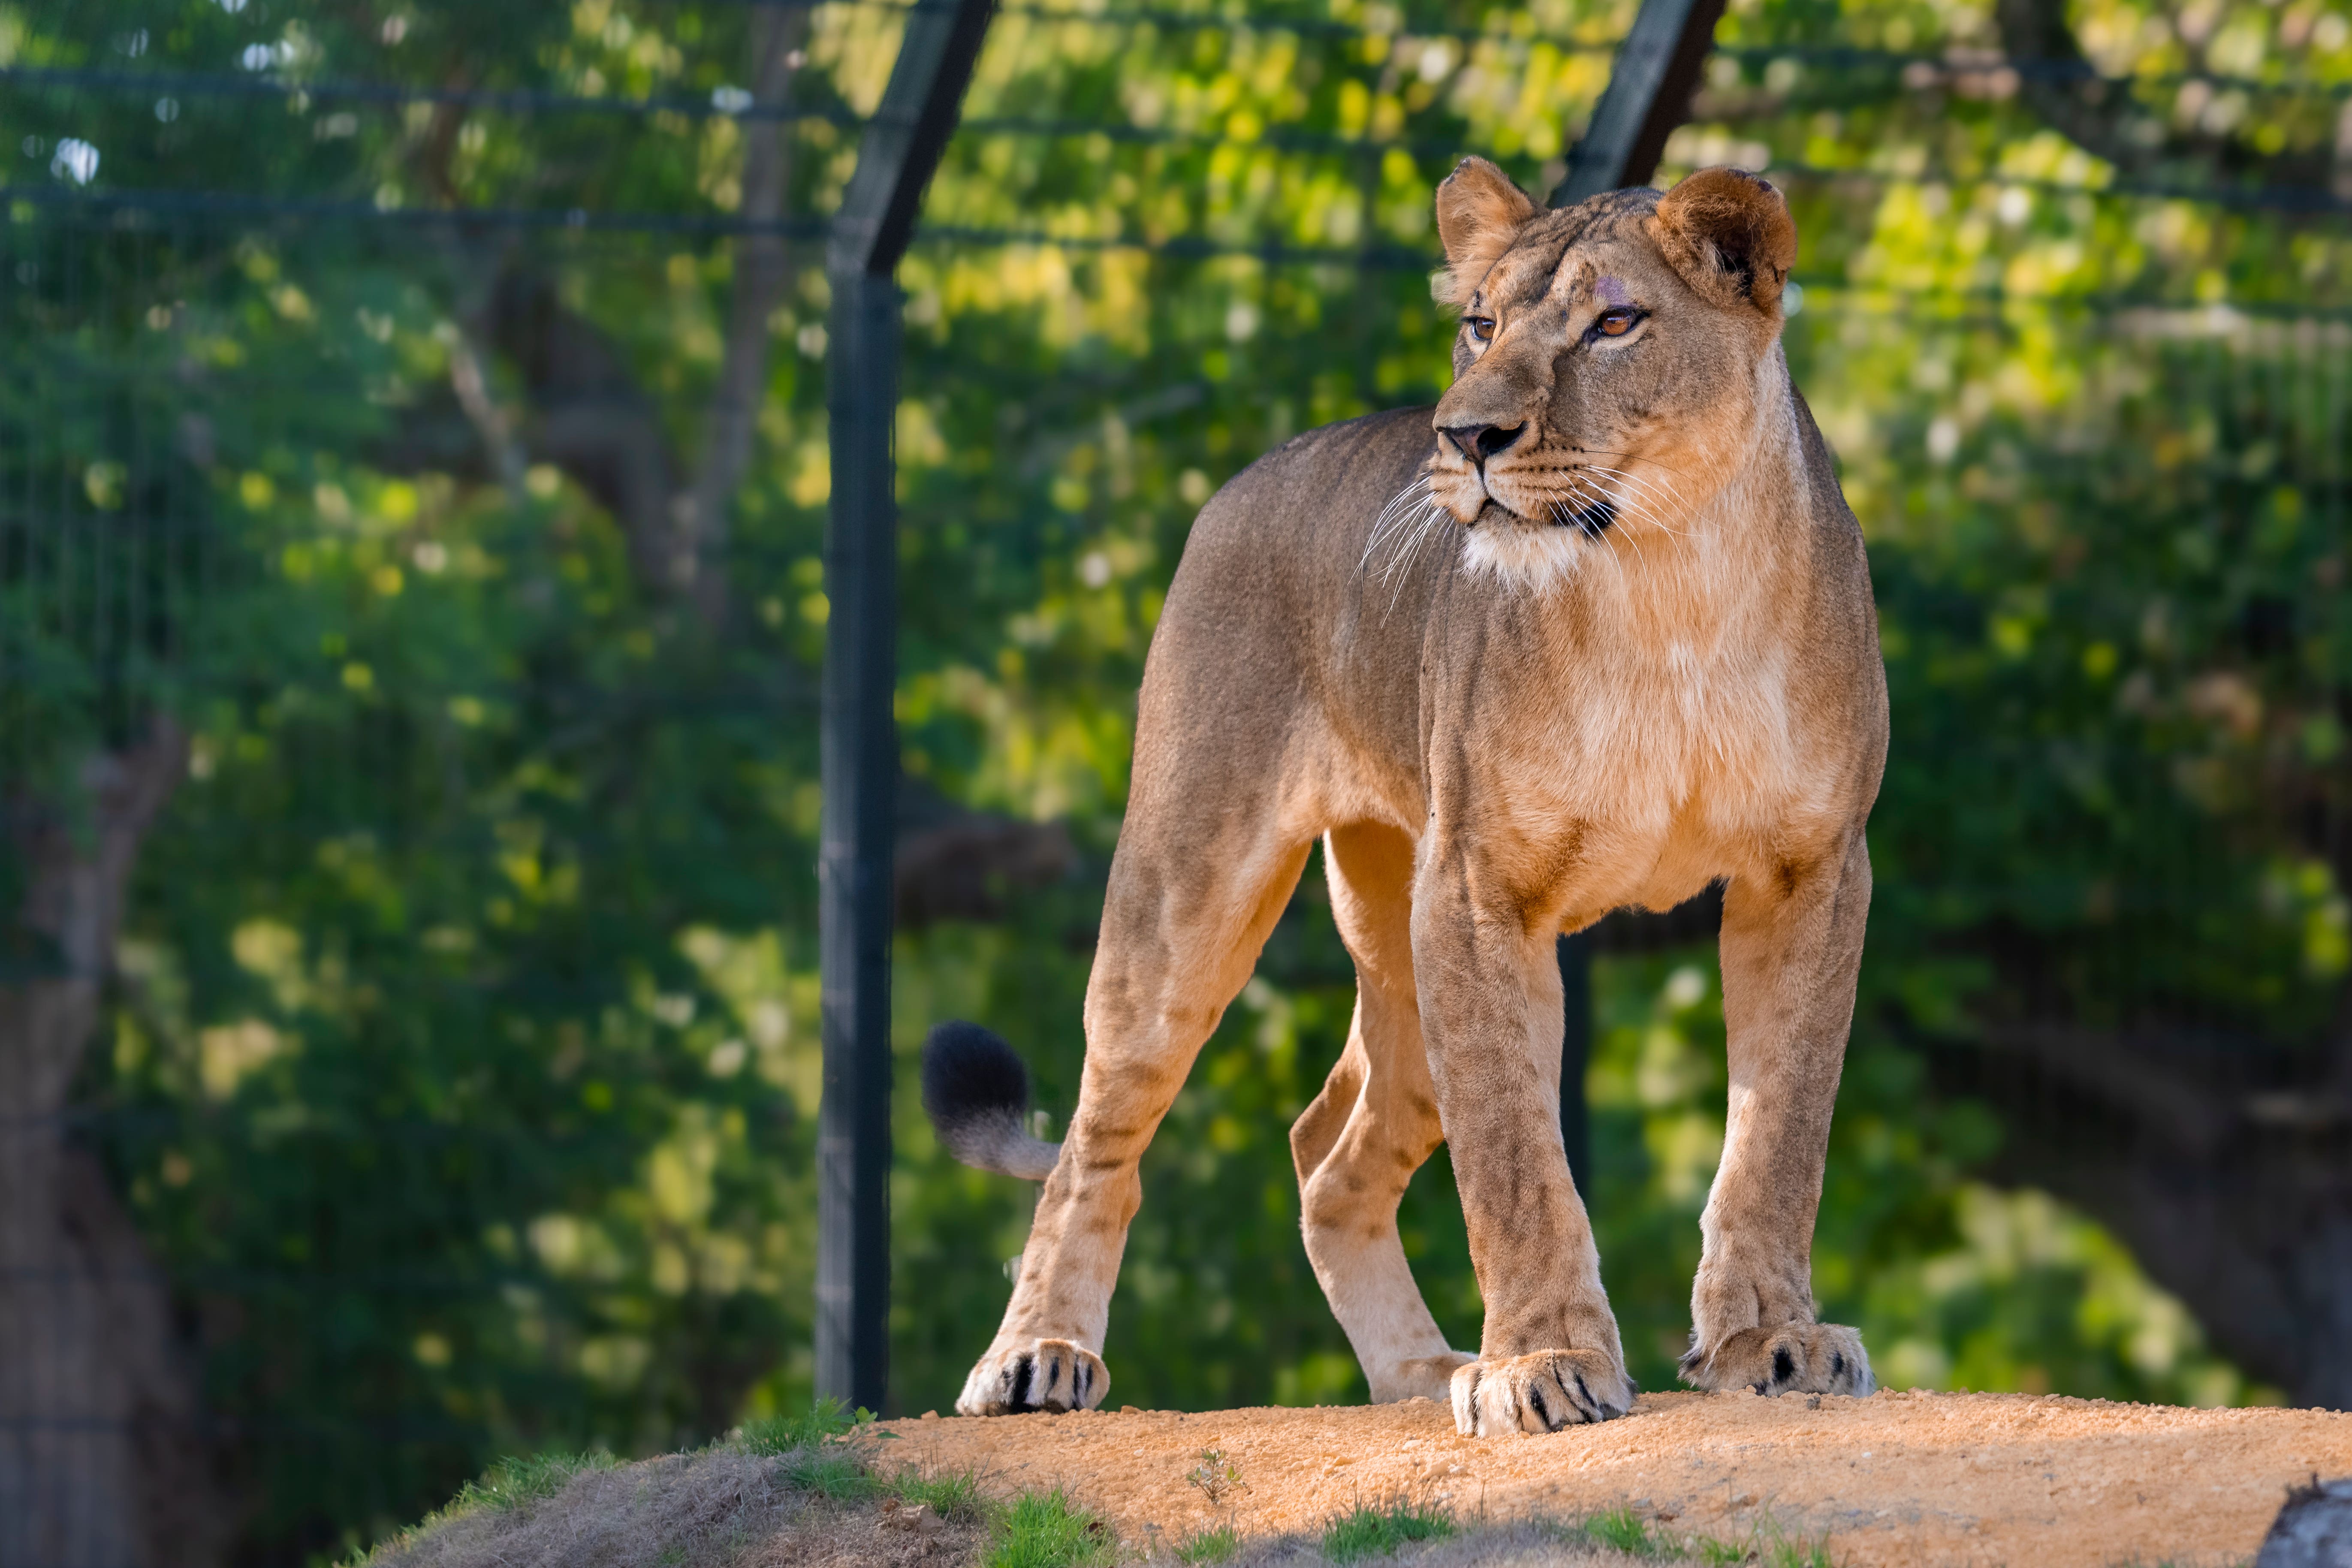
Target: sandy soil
column 1903, row 1480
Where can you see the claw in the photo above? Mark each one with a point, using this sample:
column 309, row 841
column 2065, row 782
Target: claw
column 1539, row 1392
column 1040, row 1374
column 1800, row 1358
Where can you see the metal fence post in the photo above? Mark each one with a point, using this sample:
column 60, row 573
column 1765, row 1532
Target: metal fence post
column 859, row 771
column 859, row 740
column 1648, row 95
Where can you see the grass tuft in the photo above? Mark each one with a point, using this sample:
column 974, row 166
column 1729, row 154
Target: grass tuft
column 835, row 1475
column 1216, row 1545
column 1630, row 1533
column 1765, row 1546
column 1777, row 1551
column 827, row 1419
column 519, row 1479
column 1046, row 1529
column 810, row 1450
column 957, row 1499
column 1368, row 1531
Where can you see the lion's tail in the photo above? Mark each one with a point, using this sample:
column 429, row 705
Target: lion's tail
column 977, row 1094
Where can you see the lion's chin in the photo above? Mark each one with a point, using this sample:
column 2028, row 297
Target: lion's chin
column 1513, row 552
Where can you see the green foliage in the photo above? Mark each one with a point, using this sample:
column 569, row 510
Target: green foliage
column 516, row 1481
column 1377, row 1531
column 1216, row 1477
column 1046, row 1529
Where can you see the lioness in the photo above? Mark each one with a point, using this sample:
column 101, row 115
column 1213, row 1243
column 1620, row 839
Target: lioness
column 1599, row 633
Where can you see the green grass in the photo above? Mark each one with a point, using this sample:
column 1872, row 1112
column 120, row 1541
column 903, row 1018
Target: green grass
column 1766, row 1546
column 833, row 1474
column 1716, row 1553
column 1216, row 1545
column 509, row 1484
column 825, row 1419
column 526, row 1479
column 1046, row 1529
column 1799, row 1555
column 955, row 1499
column 813, row 1456
column 1627, row 1533
column 1367, row 1531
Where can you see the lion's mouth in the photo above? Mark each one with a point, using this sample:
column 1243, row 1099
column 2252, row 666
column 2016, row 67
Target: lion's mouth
column 1589, row 518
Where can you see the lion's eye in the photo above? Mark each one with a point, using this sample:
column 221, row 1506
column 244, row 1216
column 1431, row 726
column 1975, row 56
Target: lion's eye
column 1482, row 327
column 1616, row 323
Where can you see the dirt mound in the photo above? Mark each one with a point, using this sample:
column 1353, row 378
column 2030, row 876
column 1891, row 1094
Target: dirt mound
column 1895, row 1481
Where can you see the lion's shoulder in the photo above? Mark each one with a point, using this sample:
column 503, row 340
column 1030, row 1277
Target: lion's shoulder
column 1327, row 476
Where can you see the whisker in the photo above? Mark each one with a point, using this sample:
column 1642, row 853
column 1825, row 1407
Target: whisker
column 1655, row 489
column 1631, row 457
column 1431, row 520
column 1392, row 524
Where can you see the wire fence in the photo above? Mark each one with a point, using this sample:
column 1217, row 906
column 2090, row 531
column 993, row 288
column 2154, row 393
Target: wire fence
column 516, row 1153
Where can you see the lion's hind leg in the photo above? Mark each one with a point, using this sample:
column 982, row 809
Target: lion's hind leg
column 1182, row 924
column 1803, row 1358
column 1372, row 1126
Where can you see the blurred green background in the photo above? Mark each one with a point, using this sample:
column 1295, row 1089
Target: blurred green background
column 460, row 1067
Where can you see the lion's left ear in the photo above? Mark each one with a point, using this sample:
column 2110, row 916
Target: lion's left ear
column 1479, row 213
column 1729, row 233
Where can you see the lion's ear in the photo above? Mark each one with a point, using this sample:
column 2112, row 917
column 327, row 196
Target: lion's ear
column 1479, row 213
column 1729, row 233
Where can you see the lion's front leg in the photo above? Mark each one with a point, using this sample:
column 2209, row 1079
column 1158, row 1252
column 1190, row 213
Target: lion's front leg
column 1490, row 1007
column 1791, row 947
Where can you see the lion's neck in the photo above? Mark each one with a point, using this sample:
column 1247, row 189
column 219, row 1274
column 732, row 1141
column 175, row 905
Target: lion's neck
column 1710, row 574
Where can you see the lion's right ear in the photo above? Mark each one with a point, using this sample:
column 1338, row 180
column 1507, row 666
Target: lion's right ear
column 1479, row 213
column 1729, row 233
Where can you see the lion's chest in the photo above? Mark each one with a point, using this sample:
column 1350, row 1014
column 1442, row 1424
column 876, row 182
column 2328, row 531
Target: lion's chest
column 1644, row 778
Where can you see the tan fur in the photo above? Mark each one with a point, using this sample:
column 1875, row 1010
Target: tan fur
column 1623, row 653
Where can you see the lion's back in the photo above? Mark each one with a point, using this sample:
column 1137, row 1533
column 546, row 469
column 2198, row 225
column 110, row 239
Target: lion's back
column 1274, row 606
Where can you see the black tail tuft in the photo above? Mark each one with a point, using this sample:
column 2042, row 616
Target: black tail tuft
column 970, row 1072
column 976, row 1093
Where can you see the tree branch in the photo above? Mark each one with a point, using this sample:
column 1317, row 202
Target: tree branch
column 83, row 1309
column 587, row 415
column 778, row 34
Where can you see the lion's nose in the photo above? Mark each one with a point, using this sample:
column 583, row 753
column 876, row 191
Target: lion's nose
column 1480, row 442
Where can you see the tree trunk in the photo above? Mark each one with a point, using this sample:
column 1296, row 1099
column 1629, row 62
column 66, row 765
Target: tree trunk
column 2224, row 1164
column 102, row 1457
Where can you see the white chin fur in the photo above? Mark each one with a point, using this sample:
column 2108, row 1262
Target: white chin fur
column 1520, row 556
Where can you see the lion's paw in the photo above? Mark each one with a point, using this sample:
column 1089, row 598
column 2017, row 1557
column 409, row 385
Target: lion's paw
column 1798, row 1358
column 1035, row 1375
column 1539, row 1392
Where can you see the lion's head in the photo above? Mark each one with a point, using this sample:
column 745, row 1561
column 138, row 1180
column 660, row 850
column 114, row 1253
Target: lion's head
column 1610, row 362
